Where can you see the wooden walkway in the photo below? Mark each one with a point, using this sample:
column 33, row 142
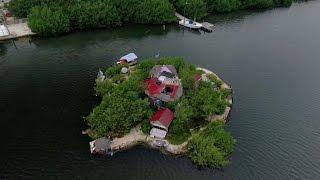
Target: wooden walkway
column 206, row 26
column 17, row 31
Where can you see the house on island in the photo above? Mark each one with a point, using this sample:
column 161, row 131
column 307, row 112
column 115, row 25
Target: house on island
column 160, row 122
column 164, row 84
column 130, row 59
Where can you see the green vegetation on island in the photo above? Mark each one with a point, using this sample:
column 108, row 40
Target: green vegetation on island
column 125, row 105
column 50, row 18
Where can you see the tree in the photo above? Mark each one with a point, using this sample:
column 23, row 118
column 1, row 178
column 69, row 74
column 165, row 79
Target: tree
column 117, row 113
column 48, row 21
column 154, row 12
column 127, row 9
column 183, row 118
column 223, row 6
column 94, row 14
column 212, row 146
column 193, row 9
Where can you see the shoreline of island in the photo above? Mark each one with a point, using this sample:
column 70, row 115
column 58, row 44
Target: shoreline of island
column 137, row 137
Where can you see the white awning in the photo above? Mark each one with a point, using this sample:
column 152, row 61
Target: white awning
column 129, row 57
column 158, row 133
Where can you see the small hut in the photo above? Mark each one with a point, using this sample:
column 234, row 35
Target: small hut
column 160, row 122
column 130, row 59
column 164, row 70
column 100, row 146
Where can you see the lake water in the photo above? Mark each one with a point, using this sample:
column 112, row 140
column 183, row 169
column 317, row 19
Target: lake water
column 270, row 58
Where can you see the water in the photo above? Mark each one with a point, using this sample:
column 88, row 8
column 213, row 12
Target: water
column 271, row 59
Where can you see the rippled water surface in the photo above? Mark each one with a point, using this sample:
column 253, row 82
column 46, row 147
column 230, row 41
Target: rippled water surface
column 271, row 59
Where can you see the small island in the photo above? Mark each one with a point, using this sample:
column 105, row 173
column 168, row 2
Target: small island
column 164, row 103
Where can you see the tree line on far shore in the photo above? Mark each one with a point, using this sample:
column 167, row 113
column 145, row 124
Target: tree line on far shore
column 50, row 18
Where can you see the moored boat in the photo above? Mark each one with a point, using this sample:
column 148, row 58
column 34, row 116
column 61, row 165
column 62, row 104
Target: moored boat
column 190, row 24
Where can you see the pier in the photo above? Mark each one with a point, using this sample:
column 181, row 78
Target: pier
column 17, row 30
column 206, row 26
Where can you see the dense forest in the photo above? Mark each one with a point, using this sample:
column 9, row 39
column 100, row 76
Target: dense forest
column 50, row 18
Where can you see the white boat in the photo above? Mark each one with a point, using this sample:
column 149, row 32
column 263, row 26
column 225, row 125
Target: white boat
column 190, row 24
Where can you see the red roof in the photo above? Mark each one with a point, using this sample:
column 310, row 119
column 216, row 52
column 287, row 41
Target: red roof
column 197, row 77
column 154, row 88
column 174, row 90
column 163, row 116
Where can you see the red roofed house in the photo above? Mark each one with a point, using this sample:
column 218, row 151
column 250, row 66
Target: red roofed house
column 164, row 83
column 161, row 121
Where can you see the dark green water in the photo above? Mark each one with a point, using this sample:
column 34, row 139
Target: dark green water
column 271, row 59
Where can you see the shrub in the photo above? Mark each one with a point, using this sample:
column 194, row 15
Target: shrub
column 146, row 65
column 183, row 115
column 21, row 8
column 207, row 101
column 103, row 87
column 94, row 14
column 286, row 3
column 145, row 126
column 154, row 12
column 212, row 146
column 127, row 9
column 177, row 62
column 194, row 9
column 223, row 6
column 113, row 70
column 117, row 113
column 48, row 21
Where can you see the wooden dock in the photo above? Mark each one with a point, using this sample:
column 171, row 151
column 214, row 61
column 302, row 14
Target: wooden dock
column 17, row 31
column 206, row 26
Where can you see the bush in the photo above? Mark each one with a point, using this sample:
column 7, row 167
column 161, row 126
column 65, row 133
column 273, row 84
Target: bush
column 48, row 21
column 194, row 9
column 113, row 70
column 154, row 12
column 223, row 6
column 146, row 65
column 177, row 62
column 117, row 113
column 94, row 14
column 183, row 118
column 187, row 76
column 21, row 8
column 103, row 87
column 286, row 3
column 212, row 146
column 207, row 101
column 145, row 126
column 127, row 9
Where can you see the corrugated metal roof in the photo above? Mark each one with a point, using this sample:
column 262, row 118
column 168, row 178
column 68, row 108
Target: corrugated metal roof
column 163, row 116
column 129, row 57
column 4, row 31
